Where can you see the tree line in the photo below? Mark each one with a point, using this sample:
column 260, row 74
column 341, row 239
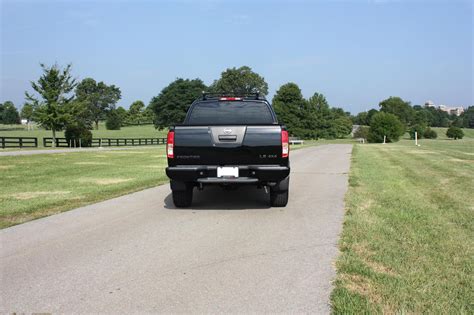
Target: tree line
column 60, row 102
column 305, row 118
column 397, row 116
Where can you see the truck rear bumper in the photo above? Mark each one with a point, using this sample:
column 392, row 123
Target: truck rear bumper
column 247, row 173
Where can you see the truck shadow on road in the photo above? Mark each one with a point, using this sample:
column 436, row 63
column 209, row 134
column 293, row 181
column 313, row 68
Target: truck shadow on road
column 217, row 198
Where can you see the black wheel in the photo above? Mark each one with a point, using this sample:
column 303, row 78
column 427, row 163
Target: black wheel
column 279, row 198
column 183, row 198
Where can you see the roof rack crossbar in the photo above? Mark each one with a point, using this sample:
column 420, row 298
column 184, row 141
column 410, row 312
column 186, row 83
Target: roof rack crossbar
column 207, row 95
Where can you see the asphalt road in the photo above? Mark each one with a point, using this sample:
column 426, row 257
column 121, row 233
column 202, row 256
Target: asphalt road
column 229, row 253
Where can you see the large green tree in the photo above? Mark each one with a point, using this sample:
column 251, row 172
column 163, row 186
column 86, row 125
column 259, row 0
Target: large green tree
column 10, row 113
column 385, row 124
column 54, row 88
column 240, row 81
column 98, row 96
column 171, row 105
column 291, row 107
column 310, row 119
column 398, row 107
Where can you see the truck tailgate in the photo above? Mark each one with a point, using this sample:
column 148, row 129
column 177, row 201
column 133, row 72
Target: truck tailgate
column 228, row 145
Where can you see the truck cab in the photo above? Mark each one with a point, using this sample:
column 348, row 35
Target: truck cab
column 228, row 140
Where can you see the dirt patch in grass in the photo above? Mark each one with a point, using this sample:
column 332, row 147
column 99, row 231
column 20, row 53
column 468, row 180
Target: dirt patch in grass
column 6, row 167
column 35, row 194
column 112, row 181
column 104, row 181
column 460, row 160
column 126, row 152
column 154, row 166
column 365, row 254
column 421, row 152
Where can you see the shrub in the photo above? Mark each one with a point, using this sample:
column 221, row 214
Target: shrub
column 419, row 129
column 78, row 135
column 455, row 132
column 430, row 134
column 385, row 124
column 362, row 132
column 114, row 120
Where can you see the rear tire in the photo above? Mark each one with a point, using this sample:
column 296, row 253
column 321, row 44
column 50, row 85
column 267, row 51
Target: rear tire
column 183, row 198
column 279, row 198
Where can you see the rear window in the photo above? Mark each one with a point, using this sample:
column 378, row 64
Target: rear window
column 230, row 113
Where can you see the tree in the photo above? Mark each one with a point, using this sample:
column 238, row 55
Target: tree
column 171, row 105
column 395, row 105
column 10, row 114
column 54, row 87
column 430, row 134
column 1, row 113
column 454, row 133
column 114, row 121
column 290, row 108
column 80, row 113
column 77, row 135
column 123, row 114
column 27, row 112
column 468, row 117
column 240, row 81
column 419, row 129
column 98, row 96
column 361, row 132
column 136, row 111
column 361, row 119
column 385, row 124
column 370, row 114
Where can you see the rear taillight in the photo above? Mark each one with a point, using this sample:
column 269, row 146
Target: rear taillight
column 285, row 146
column 170, row 145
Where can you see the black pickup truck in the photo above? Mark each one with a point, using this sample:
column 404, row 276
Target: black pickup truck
column 228, row 141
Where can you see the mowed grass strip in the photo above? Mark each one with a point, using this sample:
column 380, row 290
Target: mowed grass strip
column 408, row 239
column 39, row 185
column 142, row 131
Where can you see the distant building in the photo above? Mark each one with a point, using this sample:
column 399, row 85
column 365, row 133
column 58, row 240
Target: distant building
column 430, row 104
column 453, row 110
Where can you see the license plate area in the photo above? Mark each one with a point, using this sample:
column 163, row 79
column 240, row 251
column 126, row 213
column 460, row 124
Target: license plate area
column 227, row 171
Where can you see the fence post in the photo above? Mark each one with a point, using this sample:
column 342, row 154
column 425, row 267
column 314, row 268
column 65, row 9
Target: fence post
column 3, row 142
column 36, row 142
column 21, row 142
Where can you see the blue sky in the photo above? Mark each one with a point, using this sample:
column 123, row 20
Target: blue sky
column 354, row 52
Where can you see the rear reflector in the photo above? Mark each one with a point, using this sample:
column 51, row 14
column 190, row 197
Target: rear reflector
column 170, row 145
column 230, row 99
column 285, row 147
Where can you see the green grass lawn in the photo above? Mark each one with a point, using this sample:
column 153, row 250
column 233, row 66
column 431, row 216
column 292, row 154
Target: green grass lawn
column 408, row 239
column 143, row 131
column 39, row 185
